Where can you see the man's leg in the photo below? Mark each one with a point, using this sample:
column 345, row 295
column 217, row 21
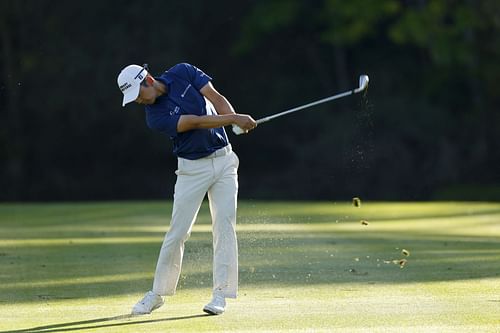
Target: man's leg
column 223, row 204
column 193, row 180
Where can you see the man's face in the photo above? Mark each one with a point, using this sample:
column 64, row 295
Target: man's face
column 147, row 94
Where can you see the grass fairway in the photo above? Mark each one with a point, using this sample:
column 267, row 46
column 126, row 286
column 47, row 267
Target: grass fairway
column 303, row 267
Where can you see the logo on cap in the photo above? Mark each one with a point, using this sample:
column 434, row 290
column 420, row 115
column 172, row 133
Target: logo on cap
column 125, row 86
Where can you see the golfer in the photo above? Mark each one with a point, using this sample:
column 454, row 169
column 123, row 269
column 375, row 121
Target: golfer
column 183, row 104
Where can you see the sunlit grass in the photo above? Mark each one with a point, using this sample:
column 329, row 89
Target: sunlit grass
column 304, row 266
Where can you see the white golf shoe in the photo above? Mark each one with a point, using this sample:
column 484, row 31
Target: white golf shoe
column 150, row 302
column 217, row 306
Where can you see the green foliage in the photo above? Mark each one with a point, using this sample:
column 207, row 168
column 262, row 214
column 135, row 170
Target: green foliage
column 445, row 30
column 266, row 18
column 430, row 119
column 349, row 22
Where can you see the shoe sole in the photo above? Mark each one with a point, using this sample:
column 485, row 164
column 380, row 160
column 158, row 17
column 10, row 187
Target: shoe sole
column 212, row 312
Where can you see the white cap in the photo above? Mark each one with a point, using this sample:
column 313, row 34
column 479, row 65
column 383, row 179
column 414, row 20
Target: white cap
column 129, row 82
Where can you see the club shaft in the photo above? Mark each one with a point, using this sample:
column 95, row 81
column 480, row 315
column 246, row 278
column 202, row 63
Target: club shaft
column 305, row 106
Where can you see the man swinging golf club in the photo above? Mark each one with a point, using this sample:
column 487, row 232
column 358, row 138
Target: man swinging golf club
column 183, row 104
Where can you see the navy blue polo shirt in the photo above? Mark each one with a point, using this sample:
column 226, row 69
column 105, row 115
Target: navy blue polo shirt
column 183, row 96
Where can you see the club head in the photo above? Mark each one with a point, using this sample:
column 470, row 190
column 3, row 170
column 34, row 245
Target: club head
column 363, row 83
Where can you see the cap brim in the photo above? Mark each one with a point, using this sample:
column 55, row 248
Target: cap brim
column 131, row 95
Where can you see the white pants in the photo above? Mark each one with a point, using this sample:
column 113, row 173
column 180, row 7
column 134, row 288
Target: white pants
column 217, row 176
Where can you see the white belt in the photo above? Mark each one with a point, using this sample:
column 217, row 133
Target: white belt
column 220, row 152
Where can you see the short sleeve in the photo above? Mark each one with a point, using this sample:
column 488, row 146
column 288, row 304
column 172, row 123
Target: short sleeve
column 193, row 74
column 163, row 122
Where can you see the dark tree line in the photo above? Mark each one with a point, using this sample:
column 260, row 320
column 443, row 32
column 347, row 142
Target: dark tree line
column 427, row 128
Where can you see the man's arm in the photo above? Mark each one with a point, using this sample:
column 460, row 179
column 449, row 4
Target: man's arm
column 226, row 115
column 221, row 104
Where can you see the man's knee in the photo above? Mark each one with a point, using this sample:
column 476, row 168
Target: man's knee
column 176, row 238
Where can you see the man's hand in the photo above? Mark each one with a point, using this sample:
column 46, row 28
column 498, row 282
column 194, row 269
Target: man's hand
column 245, row 122
column 241, row 122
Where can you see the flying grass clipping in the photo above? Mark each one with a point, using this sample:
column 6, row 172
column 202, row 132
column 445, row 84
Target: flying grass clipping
column 356, row 202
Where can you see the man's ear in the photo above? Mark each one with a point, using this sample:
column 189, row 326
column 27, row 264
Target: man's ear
column 149, row 79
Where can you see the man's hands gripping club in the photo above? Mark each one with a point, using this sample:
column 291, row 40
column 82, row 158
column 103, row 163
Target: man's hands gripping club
column 244, row 122
column 225, row 114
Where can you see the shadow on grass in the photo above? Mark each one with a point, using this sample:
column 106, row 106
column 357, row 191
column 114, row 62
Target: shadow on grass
column 90, row 324
column 287, row 258
column 32, row 273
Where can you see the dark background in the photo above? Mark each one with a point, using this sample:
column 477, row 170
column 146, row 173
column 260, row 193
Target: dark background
column 428, row 128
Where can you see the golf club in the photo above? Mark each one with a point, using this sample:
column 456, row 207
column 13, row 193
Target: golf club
column 363, row 84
